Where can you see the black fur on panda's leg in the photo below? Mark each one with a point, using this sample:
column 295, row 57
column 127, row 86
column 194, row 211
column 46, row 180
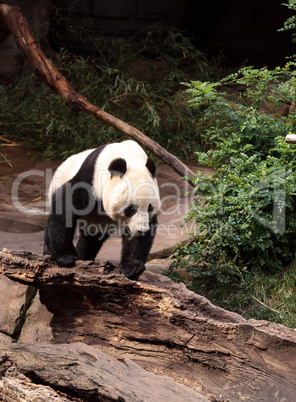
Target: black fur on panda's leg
column 59, row 231
column 135, row 250
column 89, row 245
column 59, row 241
column 46, row 250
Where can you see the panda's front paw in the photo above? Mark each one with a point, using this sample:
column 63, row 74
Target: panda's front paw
column 132, row 269
column 67, row 260
column 46, row 250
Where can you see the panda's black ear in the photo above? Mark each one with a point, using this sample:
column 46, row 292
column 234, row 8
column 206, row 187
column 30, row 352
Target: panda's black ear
column 117, row 166
column 150, row 165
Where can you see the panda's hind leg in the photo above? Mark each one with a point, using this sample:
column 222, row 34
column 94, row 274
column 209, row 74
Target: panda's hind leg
column 89, row 245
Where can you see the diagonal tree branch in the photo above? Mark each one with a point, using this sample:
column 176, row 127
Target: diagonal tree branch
column 12, row 17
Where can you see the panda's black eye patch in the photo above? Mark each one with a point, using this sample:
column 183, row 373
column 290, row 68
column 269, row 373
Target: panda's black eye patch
column 150, row 209
column 130, row 210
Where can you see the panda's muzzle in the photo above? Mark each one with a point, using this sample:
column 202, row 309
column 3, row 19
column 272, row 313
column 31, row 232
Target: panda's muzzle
column 142, row 232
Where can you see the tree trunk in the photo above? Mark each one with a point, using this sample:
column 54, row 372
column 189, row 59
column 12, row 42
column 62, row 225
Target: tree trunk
column 161, row 326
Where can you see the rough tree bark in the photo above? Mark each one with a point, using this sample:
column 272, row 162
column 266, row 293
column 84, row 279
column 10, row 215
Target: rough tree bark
column 84, row 372
column 161, row 326
column 42, row 67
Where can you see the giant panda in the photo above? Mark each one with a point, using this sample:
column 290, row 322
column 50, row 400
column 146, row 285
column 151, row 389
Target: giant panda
column 96, row 189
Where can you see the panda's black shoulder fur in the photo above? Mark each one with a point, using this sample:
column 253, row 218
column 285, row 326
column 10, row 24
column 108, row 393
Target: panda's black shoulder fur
column 150, row 165
column 86, row 172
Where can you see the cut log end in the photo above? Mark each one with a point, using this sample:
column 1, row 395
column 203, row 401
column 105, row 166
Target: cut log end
column 291, row 138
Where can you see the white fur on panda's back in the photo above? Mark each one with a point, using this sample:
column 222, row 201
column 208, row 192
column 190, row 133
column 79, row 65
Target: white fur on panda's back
column 67, row 170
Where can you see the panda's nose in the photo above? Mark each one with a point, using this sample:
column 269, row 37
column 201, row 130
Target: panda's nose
column 142, row 232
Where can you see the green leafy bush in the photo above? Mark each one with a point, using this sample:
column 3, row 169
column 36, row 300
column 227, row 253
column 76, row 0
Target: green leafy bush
column 290, row 23
column 246, row 211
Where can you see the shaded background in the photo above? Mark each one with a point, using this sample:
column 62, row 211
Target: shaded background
column 242, row 31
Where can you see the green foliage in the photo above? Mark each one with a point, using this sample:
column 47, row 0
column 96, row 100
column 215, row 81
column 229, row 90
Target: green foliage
column 255, row 294
column 264, row 296
column 246, row 211
column 290, row 23
column 242, row 212
column 135, row 79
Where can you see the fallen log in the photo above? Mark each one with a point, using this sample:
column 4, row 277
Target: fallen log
column 14, row 385
column 81, row 371
column 12, row 18
column 163, row 327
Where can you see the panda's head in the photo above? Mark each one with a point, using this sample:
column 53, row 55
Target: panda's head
column 130, row 195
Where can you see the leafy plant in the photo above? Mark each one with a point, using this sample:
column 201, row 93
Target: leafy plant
column 290, row 23
column 256, row 294
column 246, row 212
